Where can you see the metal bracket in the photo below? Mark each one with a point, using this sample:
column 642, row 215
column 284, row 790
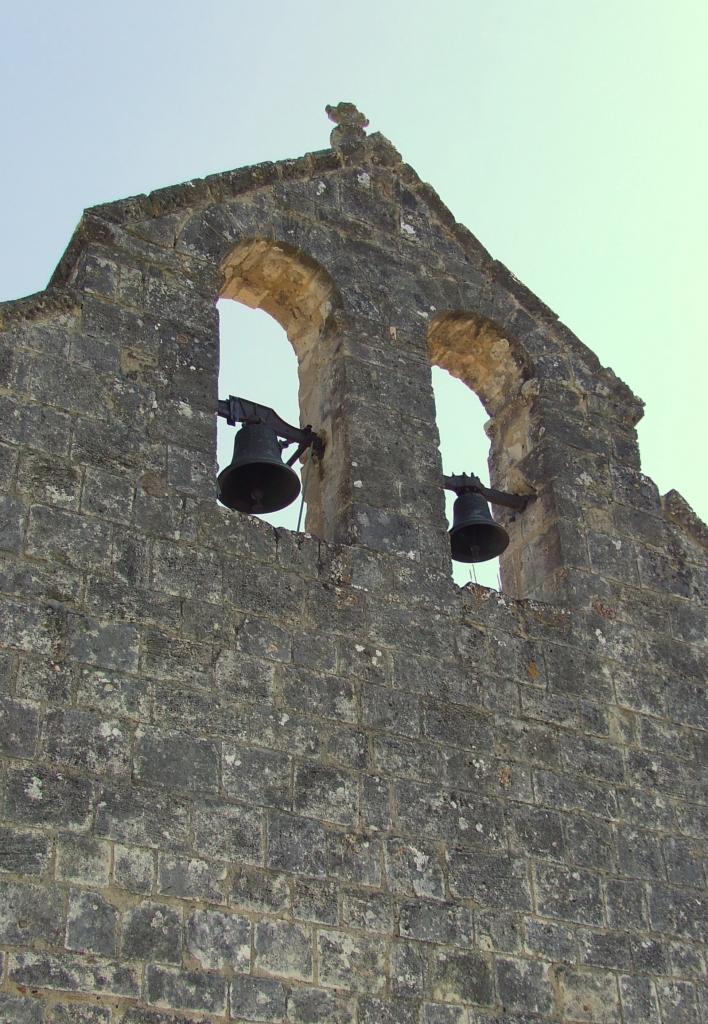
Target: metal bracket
column 241, row 410
column 464, row 482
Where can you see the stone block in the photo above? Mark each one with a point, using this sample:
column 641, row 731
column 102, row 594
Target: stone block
column 256, row 776
column 16, row 1009
column 315, row 1005
column 252, row 588
column 456, row 816
column 351, row 962
column 445, row 923
column 284, row 949
column 537, row 831
column 133, row 868
column 83, row 859
column 492, row 880
column 63, row 537
column 605, row 949
column 326, row 793
column 414, row 869
column 264, row 639
column 497, row 931
column 218, row 940
column 676, row 911
column 257, row 890
column 572, row 895
column 45, row 796
column 551, row 941
column 83, row 740
column 44, row 679
column 443, row 1013
column 457, row 977
column 228, row 831
column 243, row 678
column 13, row 521
column 316, row 901
column 152, row 931
column 683, row 860
column 30, row 629
column 257, row 999
column 355, row 858
column 626, row 903
column 186, row 572
column 191, row 878
column 186, row 990
column 297, row 845
column 387, row 710
column 589, row 843
column 319, row 695
column 400, row 757
column 176, row 760
column 574, row 793
column 365, row 662
column 639, row 854
column 109, row 645
column 46, row 480
column 679, row 1002
column 91, row 923
column 70, row 973
column 141, row 818
column 524, row 985
column 107, row 495
column 378, row 1011
column 19, row 728
column 314, row 652
column 368, row 911
column 115, row 694
column 589, row 996
column 409, row 969
column 30, row 913
column 24, row 852
column 37, row 426
column 638, row 999
column 167, row 657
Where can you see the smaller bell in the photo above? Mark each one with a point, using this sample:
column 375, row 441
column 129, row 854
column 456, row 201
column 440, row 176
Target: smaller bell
column 257, row 480
column 474, row 536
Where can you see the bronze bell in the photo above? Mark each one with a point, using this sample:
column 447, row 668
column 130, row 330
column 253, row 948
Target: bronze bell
column 474, row 536
column 257, row 480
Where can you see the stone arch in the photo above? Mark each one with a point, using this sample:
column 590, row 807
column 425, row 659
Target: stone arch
column 494, row 365
column 301, row 296
column 475, row 350
column 285, row 282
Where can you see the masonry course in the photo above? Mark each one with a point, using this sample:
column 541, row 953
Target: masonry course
column 254, row 775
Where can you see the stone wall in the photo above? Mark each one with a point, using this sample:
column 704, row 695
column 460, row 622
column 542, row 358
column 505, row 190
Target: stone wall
column 253, row 775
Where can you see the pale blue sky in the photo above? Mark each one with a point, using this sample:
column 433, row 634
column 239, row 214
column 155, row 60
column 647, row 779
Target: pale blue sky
column 568, row 135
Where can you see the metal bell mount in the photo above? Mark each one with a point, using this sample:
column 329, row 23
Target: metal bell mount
column 257, row 480
column 474, row 535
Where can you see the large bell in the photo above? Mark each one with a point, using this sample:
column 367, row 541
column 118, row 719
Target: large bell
column 257, row 480
column 474, row 536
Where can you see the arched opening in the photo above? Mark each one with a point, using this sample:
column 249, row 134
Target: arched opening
column 486, row 372
column 464, row 448
column 276, row 279
column 257, row 362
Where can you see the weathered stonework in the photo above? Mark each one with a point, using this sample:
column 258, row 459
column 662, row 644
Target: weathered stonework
column 252, row 775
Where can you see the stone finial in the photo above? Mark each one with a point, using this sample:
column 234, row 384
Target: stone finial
column 350, row 123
